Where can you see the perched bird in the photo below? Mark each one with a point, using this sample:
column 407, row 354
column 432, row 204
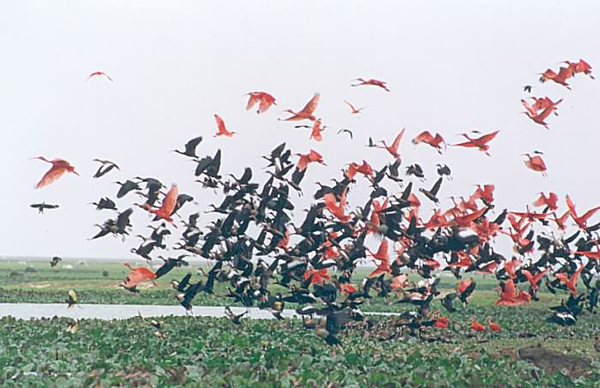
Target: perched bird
column 59, row 167
column 43, row 206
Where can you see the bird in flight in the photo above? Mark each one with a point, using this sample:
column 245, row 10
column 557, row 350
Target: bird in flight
column 190, row 147
column 527, row 88
column 546, row 106
column 105, row 167
column 536, row 163
column 427, row 138
column 43, row 206
column 480, row 143
column 59, row 167
column 393, row 148
column 264, row 100
column 221, row 130
column 344, row 130
column 307, row 112
column 372, row 82
column 354, row 111
column 168, row 204
column 99, row 74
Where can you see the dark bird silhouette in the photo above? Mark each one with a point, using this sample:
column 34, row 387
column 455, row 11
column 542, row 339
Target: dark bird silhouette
column 190, row 147
column 105, row 167
column 43, row 206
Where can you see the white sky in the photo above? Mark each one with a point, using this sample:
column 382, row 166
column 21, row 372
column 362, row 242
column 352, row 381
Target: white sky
column 451, row 66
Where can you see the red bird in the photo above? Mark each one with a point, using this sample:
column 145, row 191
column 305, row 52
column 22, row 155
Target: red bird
column 393, row 148
column 480, row 143
column 168, row 205
column 561, row 78
column 336, row 209
column 137, row 276
column 539, row 117
column 317, row 276
column 372, row 82
column 580, row 67
column 536, row 163
column 476, row 325
column 305, row 159
column 427, row 138
column 570, row 282
column 534, row 280
column 354, row 111
column 551, row 201
column 59, row 167
column 493, row 326
column 221, row 129
column 383, row 257
column 364, row 168
column 316, row 131
column 307, row 112
column 264, row 99
column 99, row 73
column 581, row 221
column 441, row 323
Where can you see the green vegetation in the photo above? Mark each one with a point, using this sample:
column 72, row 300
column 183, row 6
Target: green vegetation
column 195, row 351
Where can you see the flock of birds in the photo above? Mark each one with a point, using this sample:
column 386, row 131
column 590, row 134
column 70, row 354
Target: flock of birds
column 253, row 242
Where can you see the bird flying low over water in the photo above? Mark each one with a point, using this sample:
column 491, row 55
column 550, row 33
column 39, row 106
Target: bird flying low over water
column 59, row 167
column 100, row 74
column 264, row 100
column 372, row 82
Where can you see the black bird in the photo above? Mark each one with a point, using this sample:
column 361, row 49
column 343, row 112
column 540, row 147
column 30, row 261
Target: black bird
column 444, row 170
column 55, row 260
column 190, row 147
column 126, row 187
column 105, row 167
column 432, row 194
column 235, row 318
column 180, row 286
column 43, row 206
column 415, row 170
column 344, row 130
column 169, row 264
column 527, row 88
column 105, row 203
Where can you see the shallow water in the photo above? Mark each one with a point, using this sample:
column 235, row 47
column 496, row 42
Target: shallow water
column 122, row 311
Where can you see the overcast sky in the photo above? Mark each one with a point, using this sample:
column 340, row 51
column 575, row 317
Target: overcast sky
column 451, row 66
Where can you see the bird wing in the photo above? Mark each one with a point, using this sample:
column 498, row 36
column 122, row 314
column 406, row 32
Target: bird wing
column 220, row 124
column 266, row 101
column 397, row 140
column 254, row 98
column 310, row 107
column 50, row 176
column 168, row 204
column 488, row 137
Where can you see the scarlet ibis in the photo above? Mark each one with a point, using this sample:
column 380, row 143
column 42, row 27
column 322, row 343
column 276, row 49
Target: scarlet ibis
column 312, row 157
column 307, row 112
column 476, row 325
column 221, row 129
column 354, row 111
column 536, row 163
column 492, row 325
column 372, row 82
column 59, row 167
column 427, row 138
column 481, row 143
column 393, row 148
column 168, row 205
column 264, row 100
